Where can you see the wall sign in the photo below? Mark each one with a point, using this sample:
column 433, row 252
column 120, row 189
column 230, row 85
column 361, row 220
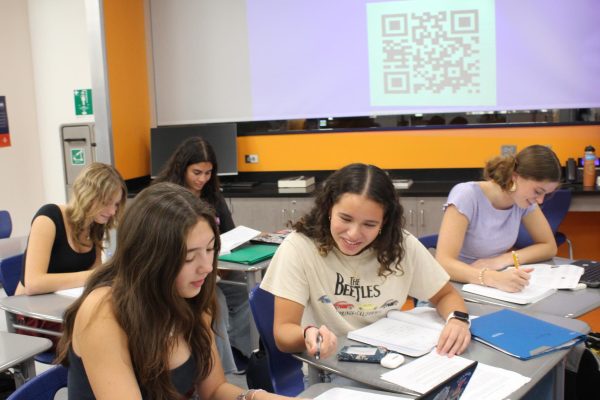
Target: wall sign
column 4, row 132
column 83, row 102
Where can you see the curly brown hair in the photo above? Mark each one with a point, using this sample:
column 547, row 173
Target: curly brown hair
column 151, row 250
column 374, row 184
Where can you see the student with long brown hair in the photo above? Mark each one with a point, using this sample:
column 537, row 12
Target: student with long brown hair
column 142, row 328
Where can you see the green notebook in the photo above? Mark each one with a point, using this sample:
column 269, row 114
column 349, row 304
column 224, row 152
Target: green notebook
column 250, row 254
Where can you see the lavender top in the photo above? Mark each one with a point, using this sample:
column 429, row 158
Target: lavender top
column 491, row 231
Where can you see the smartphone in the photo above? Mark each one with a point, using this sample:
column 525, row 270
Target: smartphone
column 358, row 353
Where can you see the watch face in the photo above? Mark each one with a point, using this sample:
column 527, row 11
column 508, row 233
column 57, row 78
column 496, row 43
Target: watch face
column 461, row 315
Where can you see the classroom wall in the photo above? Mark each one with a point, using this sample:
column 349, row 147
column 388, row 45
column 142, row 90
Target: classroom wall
column 44, row 58
column 21, row 183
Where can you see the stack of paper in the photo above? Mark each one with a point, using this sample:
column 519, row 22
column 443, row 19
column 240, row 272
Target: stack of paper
column 530, row 294
column 300, row 181
column 236, row 237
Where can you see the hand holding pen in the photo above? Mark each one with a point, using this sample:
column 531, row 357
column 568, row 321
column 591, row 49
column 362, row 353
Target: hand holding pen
column 319, row 342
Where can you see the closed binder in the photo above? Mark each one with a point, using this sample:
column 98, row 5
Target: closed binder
column 250, row 254
column 521, row 335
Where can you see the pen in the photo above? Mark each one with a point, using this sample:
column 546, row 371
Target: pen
column 319, row 340
column 515, row 259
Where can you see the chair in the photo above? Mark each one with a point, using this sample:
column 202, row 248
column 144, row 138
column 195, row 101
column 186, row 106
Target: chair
column 555, row 208
column 429, row 241
column 10, row 273
column 42, row 387
column 5, row 224
column 285, row 370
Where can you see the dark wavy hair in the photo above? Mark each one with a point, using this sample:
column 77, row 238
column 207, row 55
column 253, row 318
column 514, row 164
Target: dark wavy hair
column 536, row 162
column 151, row 250
column 193, row 151
column 373, row 183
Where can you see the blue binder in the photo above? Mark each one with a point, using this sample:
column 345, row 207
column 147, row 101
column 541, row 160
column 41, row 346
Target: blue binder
column 522, row 336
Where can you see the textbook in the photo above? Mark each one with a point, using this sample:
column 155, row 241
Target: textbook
column 236, row 237
column 300, row 181
column 413, row 332
column 530, row 294
column 307, row 189
column 521, row 335
column 250, row 254
column 402, row 183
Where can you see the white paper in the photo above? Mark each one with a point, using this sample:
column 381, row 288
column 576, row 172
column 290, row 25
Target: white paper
column 487, row 382
column 555, row 276
column 75, row 292
column 350, row 394
column 492, row 383
column 426, row 372
column 236, row 237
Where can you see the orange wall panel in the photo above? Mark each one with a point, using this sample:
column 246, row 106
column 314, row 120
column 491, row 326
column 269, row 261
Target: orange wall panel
column 128, row 85
column 440, row 148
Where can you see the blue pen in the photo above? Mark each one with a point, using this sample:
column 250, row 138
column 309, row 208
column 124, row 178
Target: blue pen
column 319, row 340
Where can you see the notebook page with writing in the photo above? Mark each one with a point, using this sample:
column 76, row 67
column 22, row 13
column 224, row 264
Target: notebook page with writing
column 555, row 276
column 351, row 394
column 530, row 294
column 408, row 334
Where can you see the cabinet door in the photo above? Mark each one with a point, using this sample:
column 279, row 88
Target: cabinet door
column 298, row 207
column 267, row 214
column 410, row 214
column 430, row 215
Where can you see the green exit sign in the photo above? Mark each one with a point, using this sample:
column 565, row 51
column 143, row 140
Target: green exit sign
column 83, row 102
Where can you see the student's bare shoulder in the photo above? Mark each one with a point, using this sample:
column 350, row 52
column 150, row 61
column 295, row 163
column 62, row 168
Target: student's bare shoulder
column 98, row 304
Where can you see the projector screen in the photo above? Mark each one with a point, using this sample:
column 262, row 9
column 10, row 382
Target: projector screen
column 217, row 61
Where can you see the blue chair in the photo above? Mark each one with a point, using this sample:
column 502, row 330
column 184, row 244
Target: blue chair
column 5, row 224
column 42, row 387
column 555, row 208
column 10, row 273
column 429, row 241
column 285, row 370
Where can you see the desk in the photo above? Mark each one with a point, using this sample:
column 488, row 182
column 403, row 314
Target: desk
column 535, row 369
column 563, row 303
column 18, row 351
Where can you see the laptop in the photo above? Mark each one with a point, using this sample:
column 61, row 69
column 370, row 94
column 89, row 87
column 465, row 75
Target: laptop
column 453, row 387
column 591, row 275
column 450, row 389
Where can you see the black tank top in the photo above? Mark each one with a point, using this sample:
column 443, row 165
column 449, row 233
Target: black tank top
column 62, row 256
column 182, row 377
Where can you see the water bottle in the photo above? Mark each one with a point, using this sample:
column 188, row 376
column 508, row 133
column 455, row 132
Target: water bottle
column 589, row 167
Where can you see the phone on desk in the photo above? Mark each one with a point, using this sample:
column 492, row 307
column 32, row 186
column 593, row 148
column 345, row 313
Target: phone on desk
column 362, row 353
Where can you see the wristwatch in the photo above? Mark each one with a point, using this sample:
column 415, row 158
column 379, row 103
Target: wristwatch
column 459, row 315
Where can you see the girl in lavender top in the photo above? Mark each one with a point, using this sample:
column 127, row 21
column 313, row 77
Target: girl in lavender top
column 481, row 220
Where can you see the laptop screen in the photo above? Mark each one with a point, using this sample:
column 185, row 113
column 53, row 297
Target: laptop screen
column 453, row 387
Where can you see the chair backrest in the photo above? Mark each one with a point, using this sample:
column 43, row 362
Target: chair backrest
column 429, row 241
column 10, row 273
column 5, row 224
column 285, row 370
column 42, row 387
column 555, row 208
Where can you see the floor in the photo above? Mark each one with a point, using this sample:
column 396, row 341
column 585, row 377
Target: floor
column 238, row 380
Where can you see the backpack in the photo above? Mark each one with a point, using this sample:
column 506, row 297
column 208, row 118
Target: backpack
column 257, row 371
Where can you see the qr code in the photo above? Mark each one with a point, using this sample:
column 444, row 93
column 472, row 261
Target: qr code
column 434, row 56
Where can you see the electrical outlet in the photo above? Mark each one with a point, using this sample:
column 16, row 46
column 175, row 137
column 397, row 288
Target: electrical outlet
column 251, row 158
column 507, row 149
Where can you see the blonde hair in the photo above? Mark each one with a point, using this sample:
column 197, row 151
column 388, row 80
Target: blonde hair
column 93, row 189
column 538, row 163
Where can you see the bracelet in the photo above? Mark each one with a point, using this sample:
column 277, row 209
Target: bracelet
column 481, row 272
column 248, row 394
column 307, row 328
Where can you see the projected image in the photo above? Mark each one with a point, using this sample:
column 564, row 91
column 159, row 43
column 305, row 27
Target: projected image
column 434, row 53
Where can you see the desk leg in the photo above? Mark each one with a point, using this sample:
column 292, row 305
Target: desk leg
column 252, row 278
column 24, row 372
column 559, row 380
column 314, row 375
